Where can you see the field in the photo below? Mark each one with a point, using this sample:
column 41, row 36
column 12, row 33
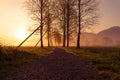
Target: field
column 107, row 60
column 12, row 59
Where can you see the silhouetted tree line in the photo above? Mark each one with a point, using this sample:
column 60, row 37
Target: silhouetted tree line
column 62, row 19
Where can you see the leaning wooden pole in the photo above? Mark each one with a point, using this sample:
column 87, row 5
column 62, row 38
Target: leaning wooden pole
column 37, row 43
column 40, row 39
column 28, row 37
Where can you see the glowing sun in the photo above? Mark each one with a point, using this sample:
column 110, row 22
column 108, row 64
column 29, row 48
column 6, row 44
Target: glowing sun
column 21, row 34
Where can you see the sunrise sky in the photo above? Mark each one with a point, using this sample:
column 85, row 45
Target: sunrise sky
column 14, row 19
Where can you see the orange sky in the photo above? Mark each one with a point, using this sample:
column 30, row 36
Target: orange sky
column 13, row 17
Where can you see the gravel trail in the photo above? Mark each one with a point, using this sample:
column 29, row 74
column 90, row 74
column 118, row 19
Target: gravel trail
column 59, row 65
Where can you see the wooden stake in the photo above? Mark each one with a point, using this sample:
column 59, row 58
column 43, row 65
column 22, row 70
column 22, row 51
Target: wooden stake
column 28, row 36
column 40, row 39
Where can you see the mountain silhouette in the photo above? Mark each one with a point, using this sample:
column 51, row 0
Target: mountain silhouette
column 113, row 33
column 107, row 37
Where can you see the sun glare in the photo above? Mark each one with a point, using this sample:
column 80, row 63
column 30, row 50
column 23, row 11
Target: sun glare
column 21, row 34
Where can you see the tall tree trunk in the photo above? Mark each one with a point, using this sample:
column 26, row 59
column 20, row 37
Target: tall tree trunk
column 79, row 24
column 68, row 17
column 51, row 38
column 48, row 35
column 48, row 28
column 41, row 29
column 64, row 28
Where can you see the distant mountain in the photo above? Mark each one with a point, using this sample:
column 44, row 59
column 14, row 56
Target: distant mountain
column 113, row 33
column 89, row 35
column 108, row 37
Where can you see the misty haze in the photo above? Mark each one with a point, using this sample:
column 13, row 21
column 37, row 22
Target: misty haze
column 106, row 38
column 59, row 40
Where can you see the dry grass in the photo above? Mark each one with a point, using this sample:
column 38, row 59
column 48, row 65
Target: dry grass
column 12, row 59
column 107, row 60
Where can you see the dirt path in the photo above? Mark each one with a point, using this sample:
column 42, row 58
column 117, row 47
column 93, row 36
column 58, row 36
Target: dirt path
column 59, row 65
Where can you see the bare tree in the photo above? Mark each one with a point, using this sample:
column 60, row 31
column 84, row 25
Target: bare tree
column 48, row 22
column 67, row 15
column 61, row 17
column 64, row 25
column 36, row 9
column 57, row 36
column 41, row 30
column 68, row 21
column 87, row 15
column 40, row 13
column 79, row 24
column 71, row 19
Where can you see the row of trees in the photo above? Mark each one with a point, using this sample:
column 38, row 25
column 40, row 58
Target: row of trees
column 62, row 19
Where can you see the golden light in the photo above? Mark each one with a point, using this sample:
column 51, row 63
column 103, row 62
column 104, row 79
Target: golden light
column 21, row 34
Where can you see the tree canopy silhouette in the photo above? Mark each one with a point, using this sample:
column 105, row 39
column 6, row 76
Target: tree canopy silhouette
column 68, row 16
